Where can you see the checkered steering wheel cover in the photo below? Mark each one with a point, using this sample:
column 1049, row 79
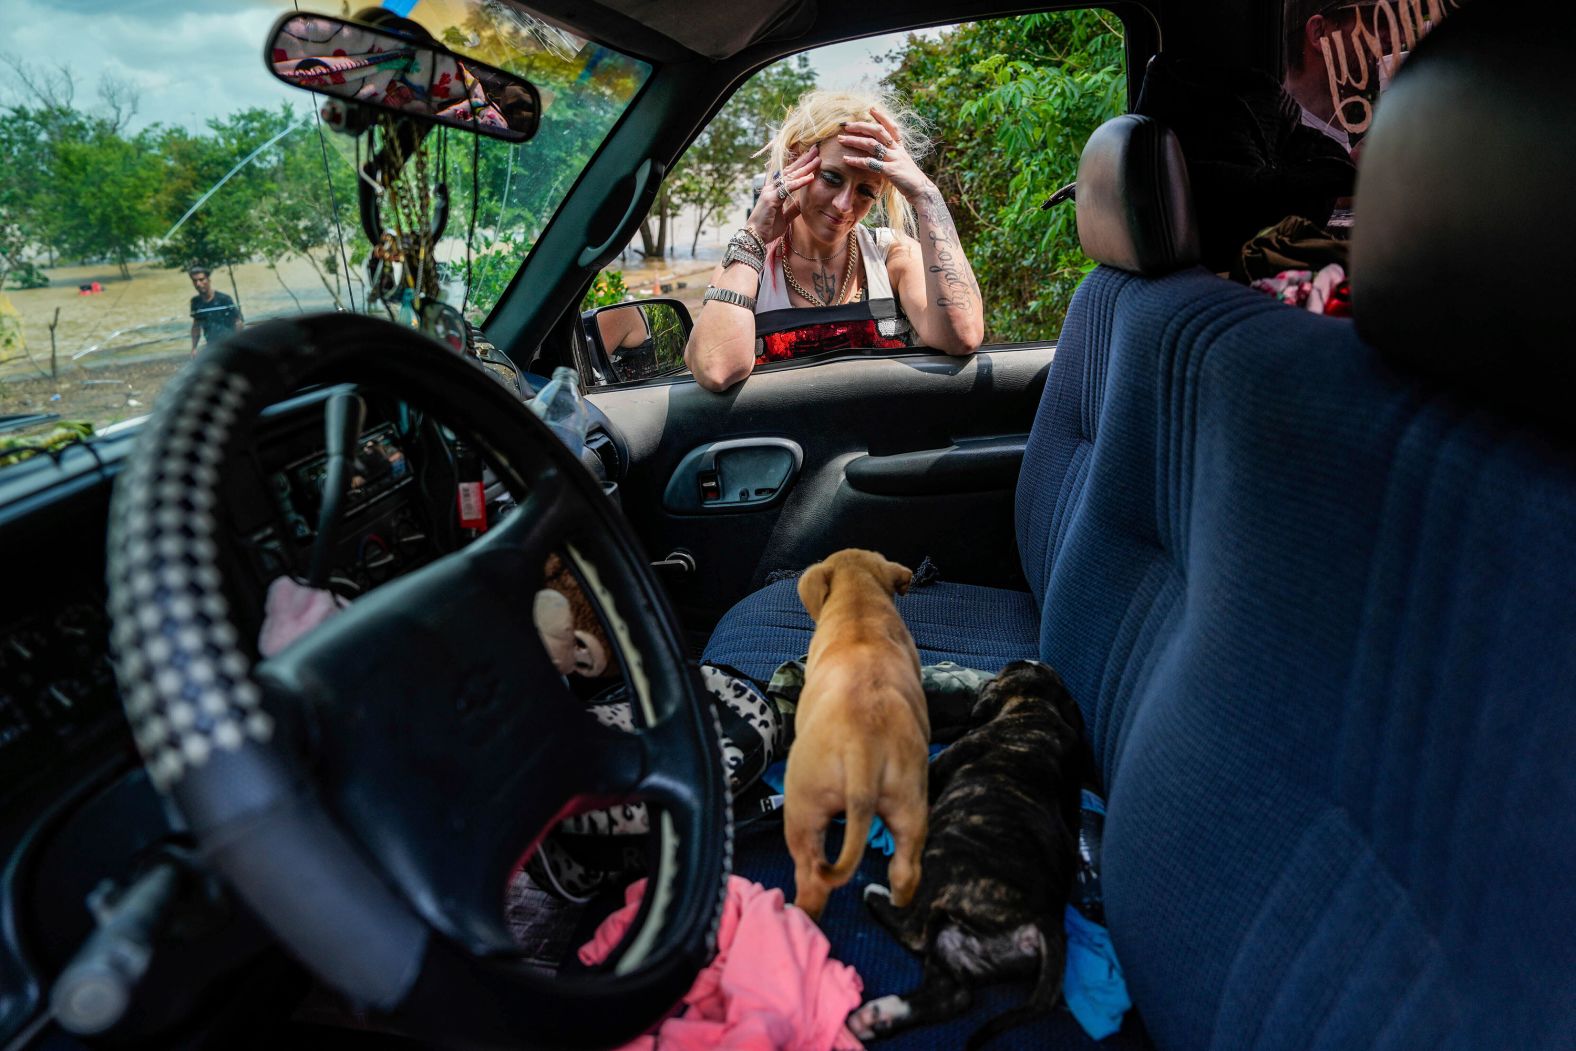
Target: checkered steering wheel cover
column 198, row 717
column 185, row 679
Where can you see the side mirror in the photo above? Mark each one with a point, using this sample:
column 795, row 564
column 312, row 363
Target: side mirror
column 640, row 340
column 403, row 74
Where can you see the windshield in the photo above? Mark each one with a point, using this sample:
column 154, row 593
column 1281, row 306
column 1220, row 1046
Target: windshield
column 162, row 189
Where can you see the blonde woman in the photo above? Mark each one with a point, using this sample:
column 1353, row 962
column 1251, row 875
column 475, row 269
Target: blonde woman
column 806, row 274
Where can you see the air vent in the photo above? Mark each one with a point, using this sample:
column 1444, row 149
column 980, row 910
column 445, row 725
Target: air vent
column 599, row 442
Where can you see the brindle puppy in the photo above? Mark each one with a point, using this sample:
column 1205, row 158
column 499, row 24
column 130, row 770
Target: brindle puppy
column 999, row 864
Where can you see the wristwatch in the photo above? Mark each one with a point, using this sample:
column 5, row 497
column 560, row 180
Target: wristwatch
column 728, row 295
column 737, row 253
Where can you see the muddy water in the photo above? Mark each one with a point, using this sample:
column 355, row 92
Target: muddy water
column 114, row 349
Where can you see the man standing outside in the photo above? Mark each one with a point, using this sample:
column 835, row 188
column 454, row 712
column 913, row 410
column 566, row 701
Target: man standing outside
column 214, row 314
column 1339, row 55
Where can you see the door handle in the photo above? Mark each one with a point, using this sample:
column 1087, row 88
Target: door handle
column 739, row 474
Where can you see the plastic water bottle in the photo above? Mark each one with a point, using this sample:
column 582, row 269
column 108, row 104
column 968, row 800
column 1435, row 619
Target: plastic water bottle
column 561, row 407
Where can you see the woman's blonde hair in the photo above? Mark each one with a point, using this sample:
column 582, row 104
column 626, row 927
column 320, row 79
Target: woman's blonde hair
column 818, row 115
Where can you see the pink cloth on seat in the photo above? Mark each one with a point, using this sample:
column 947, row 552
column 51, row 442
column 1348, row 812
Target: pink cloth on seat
column 773, row 984
column 290, row 611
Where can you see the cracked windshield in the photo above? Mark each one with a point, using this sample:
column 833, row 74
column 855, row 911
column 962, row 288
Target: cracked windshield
column 161, row 188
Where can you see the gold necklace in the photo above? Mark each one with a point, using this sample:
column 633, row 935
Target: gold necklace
column 848, row 273
column 801, row 255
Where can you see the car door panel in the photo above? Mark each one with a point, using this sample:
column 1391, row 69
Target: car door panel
column 967, row 465
column 912, row 456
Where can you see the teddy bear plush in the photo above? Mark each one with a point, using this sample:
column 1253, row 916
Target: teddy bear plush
column 570, row 629
column 555, row 623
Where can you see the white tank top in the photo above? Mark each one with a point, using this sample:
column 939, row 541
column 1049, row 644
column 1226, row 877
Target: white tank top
column 874, row 244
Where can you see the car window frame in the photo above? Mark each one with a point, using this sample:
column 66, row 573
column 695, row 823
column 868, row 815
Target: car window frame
column 662, row 121
column 1124, row 12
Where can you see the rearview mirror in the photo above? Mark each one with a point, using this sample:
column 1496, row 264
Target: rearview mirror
column 640, row 340
column 397, row 72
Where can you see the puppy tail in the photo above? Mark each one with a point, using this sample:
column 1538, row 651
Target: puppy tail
column 1042, row 998
column 856, row 830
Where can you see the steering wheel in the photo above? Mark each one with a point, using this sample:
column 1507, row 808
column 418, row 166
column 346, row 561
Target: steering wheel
column 369, row 790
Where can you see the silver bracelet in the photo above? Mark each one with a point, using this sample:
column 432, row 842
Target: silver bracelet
column 747, row 238
column 737, row 253
column 728, row 295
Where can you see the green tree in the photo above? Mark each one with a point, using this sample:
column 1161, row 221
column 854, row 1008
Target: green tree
column 1011, row 103
column 234, row 224
column 104, row 186
column 27, row 129
column 88, row 188
column 295, row 216
column 606, row 290
column 19, row 146
column 517, row 187
column 722, row 159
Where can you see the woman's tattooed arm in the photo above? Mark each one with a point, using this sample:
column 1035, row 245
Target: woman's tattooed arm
column 958, row 321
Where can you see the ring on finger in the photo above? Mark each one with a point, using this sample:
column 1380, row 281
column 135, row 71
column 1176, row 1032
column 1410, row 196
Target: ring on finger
column 782, row 192
column 881, row 152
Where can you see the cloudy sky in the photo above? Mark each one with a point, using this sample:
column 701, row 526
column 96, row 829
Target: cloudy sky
column 853, row 64
column 195, row 59
column 189, row 59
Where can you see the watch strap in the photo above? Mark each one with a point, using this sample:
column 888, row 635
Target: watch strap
column 728, row 295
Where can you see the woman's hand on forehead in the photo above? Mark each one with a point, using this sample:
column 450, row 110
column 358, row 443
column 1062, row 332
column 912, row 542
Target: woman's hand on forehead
column 876, row 145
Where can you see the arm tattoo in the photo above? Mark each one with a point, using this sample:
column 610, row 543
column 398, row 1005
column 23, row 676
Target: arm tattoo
column 953, row 270
column 959, row 289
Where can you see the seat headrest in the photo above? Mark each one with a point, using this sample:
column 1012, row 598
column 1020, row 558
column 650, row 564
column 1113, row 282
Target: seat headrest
column 1466, row 192
column 1135, row 209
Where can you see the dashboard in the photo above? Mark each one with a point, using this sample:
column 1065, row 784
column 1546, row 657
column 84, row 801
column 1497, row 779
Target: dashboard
column 78, row 820
column 396, row 513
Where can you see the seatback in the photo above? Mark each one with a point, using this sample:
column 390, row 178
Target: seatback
column 1314, row 599
column 1135, row 217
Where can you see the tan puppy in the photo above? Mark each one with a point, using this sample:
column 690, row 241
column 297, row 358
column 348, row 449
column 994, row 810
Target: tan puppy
column 862, row 732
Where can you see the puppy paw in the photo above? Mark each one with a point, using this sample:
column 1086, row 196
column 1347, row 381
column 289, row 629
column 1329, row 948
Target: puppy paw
column 878, row 1016
column 876, row 890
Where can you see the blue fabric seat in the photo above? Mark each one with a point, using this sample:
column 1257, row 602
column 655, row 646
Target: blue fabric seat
column 771, row 626
column 1313, row 596
column 1307, row 609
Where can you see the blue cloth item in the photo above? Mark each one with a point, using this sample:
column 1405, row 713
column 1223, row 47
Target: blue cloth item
column 977, row 627
column 1093, row 985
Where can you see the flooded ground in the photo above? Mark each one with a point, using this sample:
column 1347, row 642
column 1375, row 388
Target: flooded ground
column 113, row 349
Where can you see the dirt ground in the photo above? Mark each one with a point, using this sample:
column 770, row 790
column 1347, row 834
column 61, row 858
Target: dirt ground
column 115, row 391
column 114, row 349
